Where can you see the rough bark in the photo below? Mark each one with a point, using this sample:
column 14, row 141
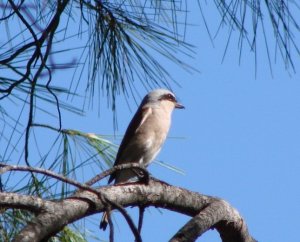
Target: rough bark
column 207, row 212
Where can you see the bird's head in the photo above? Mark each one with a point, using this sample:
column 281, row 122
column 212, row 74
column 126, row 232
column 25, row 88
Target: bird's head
column 163, row 98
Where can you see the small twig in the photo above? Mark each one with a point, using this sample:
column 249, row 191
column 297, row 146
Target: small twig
column 86, row 186
column 129, row 220
column 118, row 168
column 54, row 95
column 28, row 26
column 59, row 130
column 47, row 126
column 111, row 225
column 5, row 168
column 141, row 218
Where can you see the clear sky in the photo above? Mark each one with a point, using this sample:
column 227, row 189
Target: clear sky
column 237, row 139
column 241, row 139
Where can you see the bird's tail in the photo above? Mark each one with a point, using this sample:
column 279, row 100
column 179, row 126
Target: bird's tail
column 104, row 221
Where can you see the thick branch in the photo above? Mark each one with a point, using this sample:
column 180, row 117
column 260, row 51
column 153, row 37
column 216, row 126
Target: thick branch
column 220, row 215
column 53, row 216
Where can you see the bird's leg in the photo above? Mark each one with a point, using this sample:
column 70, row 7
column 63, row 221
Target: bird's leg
column 142, row 174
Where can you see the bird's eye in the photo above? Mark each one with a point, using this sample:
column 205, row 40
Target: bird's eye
column 169, row 97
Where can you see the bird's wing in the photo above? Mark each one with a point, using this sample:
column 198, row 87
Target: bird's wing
column 137, row 121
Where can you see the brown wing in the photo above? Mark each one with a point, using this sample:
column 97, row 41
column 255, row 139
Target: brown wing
column 137, row 120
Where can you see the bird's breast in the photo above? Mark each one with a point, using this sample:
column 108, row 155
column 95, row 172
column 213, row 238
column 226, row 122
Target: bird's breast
column 148, row 138
column 154, row 132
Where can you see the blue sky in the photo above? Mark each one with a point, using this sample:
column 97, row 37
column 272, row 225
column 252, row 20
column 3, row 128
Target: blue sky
column 237, row 139
column 241, row 139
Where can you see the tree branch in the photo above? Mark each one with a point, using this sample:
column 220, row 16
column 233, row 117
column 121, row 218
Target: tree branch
column 219, row 215
column 53, row 216
column 4, row 168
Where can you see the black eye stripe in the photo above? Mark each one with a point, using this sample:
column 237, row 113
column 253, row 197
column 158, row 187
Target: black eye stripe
column 168, row 97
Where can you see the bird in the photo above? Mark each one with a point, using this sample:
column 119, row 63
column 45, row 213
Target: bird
column 145, row 135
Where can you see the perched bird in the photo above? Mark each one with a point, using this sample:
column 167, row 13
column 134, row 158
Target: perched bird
column 145, row 135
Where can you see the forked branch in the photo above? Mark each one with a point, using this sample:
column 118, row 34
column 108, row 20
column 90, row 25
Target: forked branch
column 207, row 212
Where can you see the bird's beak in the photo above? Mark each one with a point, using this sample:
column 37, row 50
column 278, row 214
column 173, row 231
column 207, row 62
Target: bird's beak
column 178, row 105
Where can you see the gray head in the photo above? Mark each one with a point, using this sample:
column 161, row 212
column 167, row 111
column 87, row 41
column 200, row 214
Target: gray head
column 162, row 97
